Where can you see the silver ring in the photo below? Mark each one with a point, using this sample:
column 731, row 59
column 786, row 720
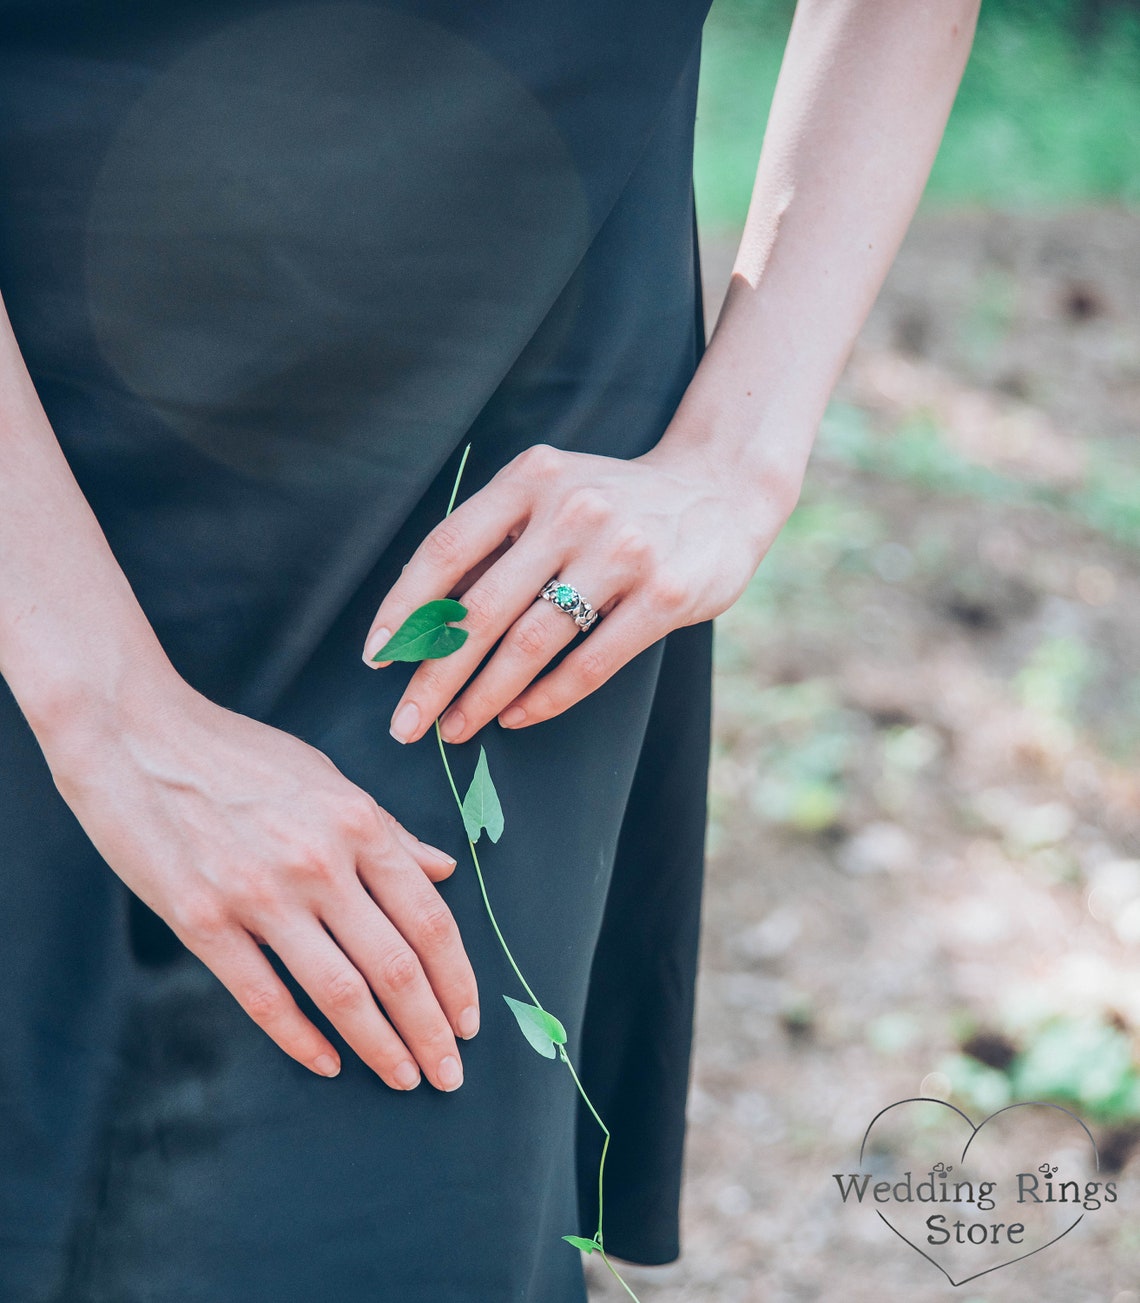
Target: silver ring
column 567, row 598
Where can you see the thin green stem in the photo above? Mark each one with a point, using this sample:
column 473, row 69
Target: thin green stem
column 618, row 1277
column 581, row 1091
column 479, row 876
column 455, row 486
column 605, row 1132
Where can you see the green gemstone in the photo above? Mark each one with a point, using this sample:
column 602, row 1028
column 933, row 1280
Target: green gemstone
column 565, row 596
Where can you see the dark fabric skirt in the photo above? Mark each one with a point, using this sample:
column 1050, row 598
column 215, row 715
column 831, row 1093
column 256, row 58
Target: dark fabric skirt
column 272, row 267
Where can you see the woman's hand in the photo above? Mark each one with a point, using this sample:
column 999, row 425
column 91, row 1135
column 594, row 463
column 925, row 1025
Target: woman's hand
column 672, row 537
column 239, row 835
column 662, row 541
column 235, row 833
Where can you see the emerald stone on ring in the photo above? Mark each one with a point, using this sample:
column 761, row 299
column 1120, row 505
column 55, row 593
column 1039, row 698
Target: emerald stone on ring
column 567, row 598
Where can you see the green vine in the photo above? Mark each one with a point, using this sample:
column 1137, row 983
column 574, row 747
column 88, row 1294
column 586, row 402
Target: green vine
column 429, row 633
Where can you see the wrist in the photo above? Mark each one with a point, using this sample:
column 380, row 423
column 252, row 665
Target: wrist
column 76, row 708
column 755, row 456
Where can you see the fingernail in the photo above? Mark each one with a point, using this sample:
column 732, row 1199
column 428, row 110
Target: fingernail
column 437, row 854
column 373, row 645
column 452, row 724
column 450, row 1073
column 404, row 721
column 469, row 1022
column 407, row 1075
column 326, row 1065
column 512, row 716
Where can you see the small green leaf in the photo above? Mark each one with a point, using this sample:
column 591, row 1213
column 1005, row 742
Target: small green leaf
column 481, row 808
column 542, row 1029
column 426, row 635
column 587, row 1246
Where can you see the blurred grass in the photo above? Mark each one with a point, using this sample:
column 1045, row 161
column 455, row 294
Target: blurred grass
column 1082, row 1063
column 1048, row 112
column 1107, row 500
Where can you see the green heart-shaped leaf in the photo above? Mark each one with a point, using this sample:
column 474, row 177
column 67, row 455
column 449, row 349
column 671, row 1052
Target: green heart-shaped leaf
column 481, row 807
column 587, row 1246
column 426, row 635
column 542, row 1029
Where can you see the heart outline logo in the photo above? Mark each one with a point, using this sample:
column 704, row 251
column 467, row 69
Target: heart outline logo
column 975, row 1129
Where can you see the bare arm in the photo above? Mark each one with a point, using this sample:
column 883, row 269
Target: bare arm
column 235, row 833
column 73, row 640
column 672, row 538
column 862, row 99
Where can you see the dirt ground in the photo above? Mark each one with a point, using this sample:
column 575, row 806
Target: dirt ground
column 926, row 807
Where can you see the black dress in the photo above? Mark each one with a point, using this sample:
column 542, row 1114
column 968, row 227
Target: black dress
column 271, row 267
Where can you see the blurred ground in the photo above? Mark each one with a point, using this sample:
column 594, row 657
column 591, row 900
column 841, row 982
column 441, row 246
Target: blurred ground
column 926, row 808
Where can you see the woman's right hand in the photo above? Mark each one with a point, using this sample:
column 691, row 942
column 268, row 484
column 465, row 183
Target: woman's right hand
column 239, row 835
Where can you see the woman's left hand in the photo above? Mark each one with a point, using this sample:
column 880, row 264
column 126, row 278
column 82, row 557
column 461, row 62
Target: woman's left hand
column 664, row 540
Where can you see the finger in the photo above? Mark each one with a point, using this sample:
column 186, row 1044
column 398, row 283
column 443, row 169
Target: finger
column 613, row 642
column 234, row 958
column 493, row 604
column 375, row 827
column 525, row 651
column 467, row 580
column 436, row 864
column 419, row 914
column 338, row 988
column 377, row 639
column 456, row 545
column 382, row 959
column 422, row 918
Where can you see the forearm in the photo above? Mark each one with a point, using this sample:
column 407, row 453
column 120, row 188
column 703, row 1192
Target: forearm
column 73, row 639
column 862, row 99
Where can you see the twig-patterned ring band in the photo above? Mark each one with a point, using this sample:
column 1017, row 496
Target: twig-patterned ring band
column 567, row 598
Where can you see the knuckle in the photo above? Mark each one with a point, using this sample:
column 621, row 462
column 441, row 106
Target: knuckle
column 399, row 970
column 359, row 815
column 199, row 918
column 432, row 676
column 540, row 461
column 382, row 831
column 255, row 891
column 443, row 547
column 313, row 866
column 530, row 638
column 593, row 666
column 585, row 507
column 434, row 926
column 263, row 1003
column 344, row 990
column 541, row 703
column 668, row 592
column 482, row 608
column 481, row 702
column 632, row 545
